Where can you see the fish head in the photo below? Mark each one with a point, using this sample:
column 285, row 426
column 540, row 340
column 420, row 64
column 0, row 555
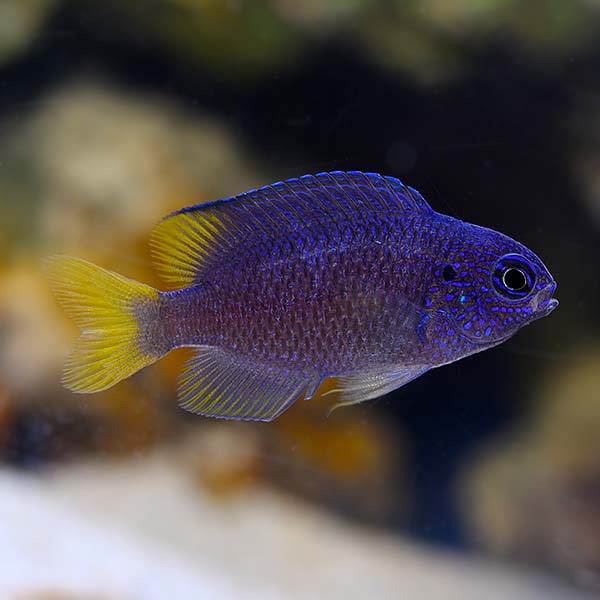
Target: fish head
column 490, row 286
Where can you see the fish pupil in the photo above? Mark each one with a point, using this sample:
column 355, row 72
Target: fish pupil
column 448, row 273
column 514, row 279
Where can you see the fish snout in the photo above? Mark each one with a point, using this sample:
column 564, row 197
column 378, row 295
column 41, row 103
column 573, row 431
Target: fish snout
column 544, row 302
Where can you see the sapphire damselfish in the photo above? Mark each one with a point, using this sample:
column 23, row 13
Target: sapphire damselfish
column 345, row 274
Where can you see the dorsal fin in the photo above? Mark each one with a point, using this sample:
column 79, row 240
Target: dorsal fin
column 187, row 243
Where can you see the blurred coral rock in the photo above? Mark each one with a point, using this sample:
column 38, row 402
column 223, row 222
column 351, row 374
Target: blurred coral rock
column 225, row 459
column 536, row 495
column 112, row 164
column 20, row 21
column 355, row 465
column 35, row 335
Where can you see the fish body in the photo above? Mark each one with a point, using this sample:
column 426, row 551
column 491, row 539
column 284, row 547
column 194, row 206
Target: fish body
column 351, row 275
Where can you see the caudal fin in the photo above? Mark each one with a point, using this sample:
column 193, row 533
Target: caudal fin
column 108, row 308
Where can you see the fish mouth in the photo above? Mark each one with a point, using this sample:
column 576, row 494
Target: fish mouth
column 544, row 302
column 552, row 304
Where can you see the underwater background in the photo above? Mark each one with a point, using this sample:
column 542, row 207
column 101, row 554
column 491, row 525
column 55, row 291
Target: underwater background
column 480, row 479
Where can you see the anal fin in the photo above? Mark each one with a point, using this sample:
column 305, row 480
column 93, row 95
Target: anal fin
column 216, row 384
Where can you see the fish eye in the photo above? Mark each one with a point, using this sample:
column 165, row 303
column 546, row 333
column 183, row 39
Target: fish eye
column 448, row 273
column 513, row 277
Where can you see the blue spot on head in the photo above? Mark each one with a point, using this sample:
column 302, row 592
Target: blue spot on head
column 468, row 325
column 488, row 330
column 464, row 298
column 449, row 297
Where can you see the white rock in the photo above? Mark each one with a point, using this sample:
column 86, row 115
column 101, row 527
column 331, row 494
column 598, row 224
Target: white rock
column 141, row 529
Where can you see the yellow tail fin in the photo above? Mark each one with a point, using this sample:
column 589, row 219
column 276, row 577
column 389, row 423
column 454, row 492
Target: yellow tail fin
column 106, row 307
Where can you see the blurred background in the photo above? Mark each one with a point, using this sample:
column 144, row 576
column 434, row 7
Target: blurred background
column 481, row 479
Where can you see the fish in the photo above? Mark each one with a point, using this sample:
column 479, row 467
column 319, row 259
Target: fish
column 349, row 275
